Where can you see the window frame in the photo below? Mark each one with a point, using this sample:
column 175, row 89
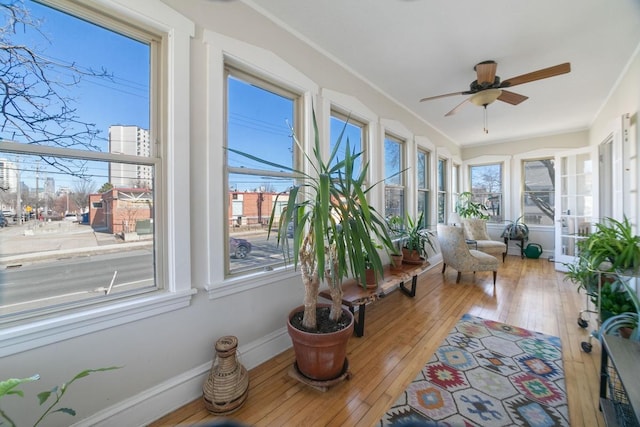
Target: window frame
column 170, row 90
column 502, row 179
column 524, row 192
column 402, row 185
column 261, row 82
column 424, row 193
column 220, row 51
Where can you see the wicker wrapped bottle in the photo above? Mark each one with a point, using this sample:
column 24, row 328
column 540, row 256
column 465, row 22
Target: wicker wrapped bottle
column 227, row 386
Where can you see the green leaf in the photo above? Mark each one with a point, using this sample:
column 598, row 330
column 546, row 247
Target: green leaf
column 67, row 411
column 43, row 396
column 7, row 386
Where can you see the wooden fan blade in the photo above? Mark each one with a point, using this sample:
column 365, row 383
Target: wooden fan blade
column 457, row 107
column 537, row 75
column 512, row 97
column 440, row 96
column 486, row 72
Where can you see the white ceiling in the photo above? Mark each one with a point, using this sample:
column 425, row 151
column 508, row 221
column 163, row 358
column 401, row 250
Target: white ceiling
column 411, row 49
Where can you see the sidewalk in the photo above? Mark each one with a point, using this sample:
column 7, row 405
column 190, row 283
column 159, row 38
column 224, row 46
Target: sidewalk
column 36, row 240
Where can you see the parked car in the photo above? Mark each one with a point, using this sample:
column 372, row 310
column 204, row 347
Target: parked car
column 3, row 220
column 71, row 217
column 239, row 248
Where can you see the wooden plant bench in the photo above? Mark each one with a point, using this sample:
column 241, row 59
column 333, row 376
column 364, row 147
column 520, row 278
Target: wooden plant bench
column 354, row 295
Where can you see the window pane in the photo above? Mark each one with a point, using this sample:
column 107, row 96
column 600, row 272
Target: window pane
column 353, row 133
column 392, row 161
column 538, row 205
column 102, row 239
column 91, row 90
column 442, row 182
column 422, row 170
column 486, row 186
column 424, row 207
column 394, row 202
column 260, row 122
column 76, row 191
column 249, row 213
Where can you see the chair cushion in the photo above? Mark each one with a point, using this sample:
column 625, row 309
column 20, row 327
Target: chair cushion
column 475, row 229
column 484, row 261
column 491, row 246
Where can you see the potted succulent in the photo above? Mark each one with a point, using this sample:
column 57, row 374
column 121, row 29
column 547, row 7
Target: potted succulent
column 334, row 238
column 467, row 208
column 516, row 230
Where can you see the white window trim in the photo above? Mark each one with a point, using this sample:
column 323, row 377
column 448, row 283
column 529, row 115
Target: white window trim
column 175, row 248
column 222, row 50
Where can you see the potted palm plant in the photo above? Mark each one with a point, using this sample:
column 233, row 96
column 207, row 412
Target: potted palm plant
column 337, row 235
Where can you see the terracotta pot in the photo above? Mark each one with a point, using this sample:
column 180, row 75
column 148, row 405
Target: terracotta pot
column 396, row 261
column 370, row 278
column 320, row 357
column 410, row 255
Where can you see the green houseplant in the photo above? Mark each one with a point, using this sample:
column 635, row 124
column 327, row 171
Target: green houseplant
column 613, row 242
column 516, row 229
column 10, row 387
column 335, row 237
column 415, row 239
column 467, row 208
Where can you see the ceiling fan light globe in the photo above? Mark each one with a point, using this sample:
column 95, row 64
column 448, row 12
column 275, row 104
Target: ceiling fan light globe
column 485, row 97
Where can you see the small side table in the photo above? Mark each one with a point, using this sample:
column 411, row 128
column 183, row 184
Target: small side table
column 522, row 240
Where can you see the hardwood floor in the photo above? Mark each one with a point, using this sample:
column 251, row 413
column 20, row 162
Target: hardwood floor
column 402, row 333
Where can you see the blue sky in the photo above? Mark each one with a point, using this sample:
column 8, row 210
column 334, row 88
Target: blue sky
column 121, row 99
column 259, row 123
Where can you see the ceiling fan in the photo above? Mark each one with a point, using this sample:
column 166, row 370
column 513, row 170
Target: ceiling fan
column 487, row 87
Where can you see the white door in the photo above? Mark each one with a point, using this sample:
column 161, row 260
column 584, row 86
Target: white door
column 576, row 195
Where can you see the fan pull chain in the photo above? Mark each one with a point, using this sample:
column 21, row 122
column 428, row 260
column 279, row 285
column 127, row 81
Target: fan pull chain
column 486, row 120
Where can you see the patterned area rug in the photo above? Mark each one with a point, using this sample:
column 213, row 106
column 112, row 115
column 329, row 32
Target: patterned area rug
column 487, row 373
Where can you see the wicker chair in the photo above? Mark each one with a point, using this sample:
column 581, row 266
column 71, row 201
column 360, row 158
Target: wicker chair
column 476, row 230
column 456, row 253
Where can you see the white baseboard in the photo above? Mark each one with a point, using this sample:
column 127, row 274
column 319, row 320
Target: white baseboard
column 170, row 395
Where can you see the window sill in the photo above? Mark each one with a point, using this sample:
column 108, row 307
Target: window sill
column 244, row 283
column 17, row 339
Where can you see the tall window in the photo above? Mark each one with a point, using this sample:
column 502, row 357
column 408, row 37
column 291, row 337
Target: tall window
column 442, row 191
column 538, row 194
column 260, row 119
column 394, row 183
column 353, row 131
column 82, row 189
column 486, row 186
column 423, row 186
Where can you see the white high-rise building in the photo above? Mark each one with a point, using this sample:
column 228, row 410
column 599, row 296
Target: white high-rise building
column 134, row 141
column 8, row 175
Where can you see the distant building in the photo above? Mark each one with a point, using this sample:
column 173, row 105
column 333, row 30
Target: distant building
column 121, row 210
column 8, row 175
column 134, row 141
column 50, row 186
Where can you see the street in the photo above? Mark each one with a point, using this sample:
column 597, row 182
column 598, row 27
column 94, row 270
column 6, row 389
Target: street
column 63, row 280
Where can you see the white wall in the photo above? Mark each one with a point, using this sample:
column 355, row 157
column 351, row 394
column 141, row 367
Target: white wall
column 165, row 358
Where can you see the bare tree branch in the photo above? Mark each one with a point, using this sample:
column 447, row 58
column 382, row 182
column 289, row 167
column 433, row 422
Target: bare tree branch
column 35, row 105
